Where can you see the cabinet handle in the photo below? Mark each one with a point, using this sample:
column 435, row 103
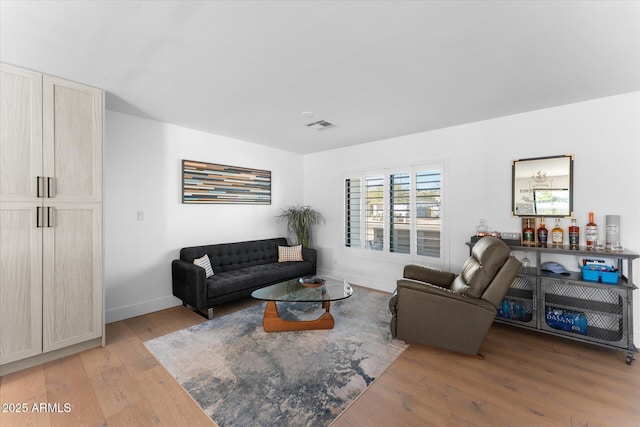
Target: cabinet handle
column 38, row 186
column 49, row 191
column 49, row 221
column 38, row 214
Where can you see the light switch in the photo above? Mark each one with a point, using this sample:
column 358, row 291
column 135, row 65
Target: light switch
column 140, row 215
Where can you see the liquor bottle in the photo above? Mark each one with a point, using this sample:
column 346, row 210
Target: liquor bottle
column 557, row 234
column 528, row 235
column 574, row 235
column 591, row 234
column 543, row 234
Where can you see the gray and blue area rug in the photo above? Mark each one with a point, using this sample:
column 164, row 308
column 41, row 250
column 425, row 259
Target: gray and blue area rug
column 242, row 376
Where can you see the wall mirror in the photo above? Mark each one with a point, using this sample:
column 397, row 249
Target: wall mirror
column 543, row 186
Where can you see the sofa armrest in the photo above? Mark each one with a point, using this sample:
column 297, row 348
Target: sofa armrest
column 311, row 255
column 188, row 283
column 428, row 275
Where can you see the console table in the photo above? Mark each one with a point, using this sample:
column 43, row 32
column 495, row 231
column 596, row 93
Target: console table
column 608, row 308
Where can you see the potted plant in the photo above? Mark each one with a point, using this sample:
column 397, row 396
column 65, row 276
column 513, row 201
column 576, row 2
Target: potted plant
column 300, row 221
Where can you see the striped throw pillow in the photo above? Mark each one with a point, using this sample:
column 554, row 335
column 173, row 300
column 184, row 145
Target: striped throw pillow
column 205, row 263
column 289, row 253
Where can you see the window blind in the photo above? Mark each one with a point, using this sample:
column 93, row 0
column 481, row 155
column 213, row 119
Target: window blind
column 428, row 223
column 400, row 213
column 374, row 215
column 352, row 213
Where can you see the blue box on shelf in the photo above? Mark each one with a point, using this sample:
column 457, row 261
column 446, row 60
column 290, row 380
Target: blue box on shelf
column 597, row 273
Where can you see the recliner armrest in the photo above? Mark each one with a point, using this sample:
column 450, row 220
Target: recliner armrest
column 435, row 316
column 436, row 291
column 428, row 275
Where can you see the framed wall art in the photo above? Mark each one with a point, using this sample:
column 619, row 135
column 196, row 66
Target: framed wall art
column 214, row 183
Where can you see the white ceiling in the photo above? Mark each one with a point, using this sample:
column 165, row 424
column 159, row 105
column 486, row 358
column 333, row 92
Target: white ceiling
column 377, row 69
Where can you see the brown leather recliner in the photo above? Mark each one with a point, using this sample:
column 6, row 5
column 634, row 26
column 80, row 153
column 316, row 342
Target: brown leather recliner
column 449, row 311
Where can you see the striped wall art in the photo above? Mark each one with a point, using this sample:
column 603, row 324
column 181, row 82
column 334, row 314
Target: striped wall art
column 212, row 183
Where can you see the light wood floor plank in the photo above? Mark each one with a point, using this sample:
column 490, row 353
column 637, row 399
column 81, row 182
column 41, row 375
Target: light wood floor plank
column 24, row 387
column 113, row 385
column 66, row 382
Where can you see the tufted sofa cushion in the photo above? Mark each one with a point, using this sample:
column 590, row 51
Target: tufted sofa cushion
column 247, row 278
column 238, row 255
column 487, row 256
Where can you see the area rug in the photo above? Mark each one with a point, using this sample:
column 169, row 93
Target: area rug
column 243, row 376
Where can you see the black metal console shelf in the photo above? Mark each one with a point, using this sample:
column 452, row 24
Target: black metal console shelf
column 606, row 310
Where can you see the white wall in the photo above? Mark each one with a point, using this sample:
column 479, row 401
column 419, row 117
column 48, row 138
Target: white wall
column 603, row 134
column 143, row 173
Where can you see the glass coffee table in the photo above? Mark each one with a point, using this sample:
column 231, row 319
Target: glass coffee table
column 297, row 290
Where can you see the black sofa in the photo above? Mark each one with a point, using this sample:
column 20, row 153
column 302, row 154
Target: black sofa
column 239, row 269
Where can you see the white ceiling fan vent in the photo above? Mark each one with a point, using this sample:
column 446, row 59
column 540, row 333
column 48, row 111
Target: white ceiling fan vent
column 320, row 125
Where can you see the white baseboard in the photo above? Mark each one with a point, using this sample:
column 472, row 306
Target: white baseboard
column 133, row 310
column 369, row 282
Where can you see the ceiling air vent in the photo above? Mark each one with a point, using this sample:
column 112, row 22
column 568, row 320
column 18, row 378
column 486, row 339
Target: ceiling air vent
column 320, row 125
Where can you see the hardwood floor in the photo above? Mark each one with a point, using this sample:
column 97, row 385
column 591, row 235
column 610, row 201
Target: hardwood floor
column 526, row 379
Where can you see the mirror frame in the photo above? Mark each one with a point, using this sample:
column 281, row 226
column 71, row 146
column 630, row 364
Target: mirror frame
column 540, row 174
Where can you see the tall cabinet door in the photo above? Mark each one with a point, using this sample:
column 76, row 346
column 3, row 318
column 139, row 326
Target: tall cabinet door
column 72, row 274
column 72, row 116
column 20, row 133
column 20, row 281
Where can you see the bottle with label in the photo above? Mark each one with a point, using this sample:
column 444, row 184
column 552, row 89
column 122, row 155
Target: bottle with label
column 528, row 234
column 574, row 235
column 591, row 234
column 557, row 234
column 612, row 230
column 543, row 234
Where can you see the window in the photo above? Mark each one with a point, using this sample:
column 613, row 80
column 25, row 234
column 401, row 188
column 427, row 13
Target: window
column 401, row 211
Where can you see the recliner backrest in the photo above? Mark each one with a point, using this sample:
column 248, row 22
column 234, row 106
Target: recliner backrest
column 487, row 257
column 502, row 282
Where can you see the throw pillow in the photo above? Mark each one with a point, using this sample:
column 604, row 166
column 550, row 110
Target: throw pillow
column 205, row 263
column 289, row 253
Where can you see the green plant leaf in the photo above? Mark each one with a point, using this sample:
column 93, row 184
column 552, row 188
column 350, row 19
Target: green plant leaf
column 300, row 222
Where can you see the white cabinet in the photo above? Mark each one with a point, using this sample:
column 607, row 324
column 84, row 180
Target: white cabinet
column 50, row 217
column 72, row 136
column 20, row 282
column 20, row 133
column 72, row 275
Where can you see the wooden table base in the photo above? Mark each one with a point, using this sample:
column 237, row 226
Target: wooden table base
column 272, row 321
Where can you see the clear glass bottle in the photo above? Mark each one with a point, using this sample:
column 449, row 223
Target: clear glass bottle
column 591, row 234
column 482, row 229
column 557, row 234
column 574, row 235
column 543, row 234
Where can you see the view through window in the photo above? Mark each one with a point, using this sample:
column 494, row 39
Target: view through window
column 395, row 212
